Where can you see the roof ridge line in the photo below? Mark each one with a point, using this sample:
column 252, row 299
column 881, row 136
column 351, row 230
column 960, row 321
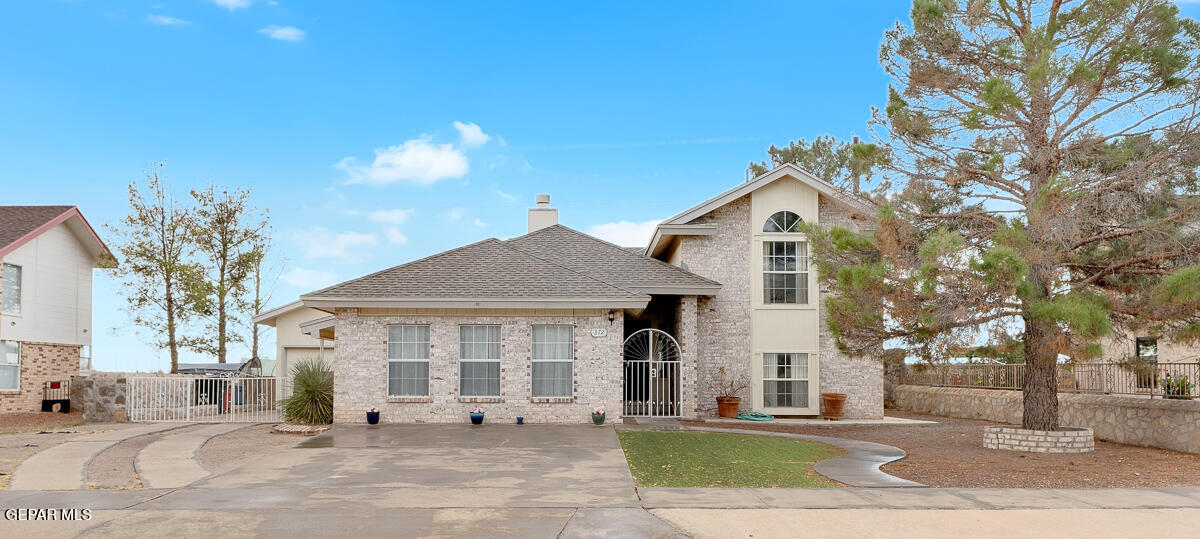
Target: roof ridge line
column 551, row 262
column 398, row 266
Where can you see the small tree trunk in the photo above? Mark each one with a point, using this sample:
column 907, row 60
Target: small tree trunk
column 1041, row 378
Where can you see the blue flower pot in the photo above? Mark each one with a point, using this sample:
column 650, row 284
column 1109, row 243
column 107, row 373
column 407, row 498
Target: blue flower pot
column 520, row 420
column 476, row 419
column 373, row 418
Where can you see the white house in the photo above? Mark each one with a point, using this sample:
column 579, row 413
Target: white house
column 47, row 255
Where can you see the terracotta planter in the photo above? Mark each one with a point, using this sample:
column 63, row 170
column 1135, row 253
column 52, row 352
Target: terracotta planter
column 728, row 406
column 834, row 403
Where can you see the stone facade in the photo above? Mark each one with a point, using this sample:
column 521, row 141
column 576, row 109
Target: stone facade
column 723, row 320
column 1068, row 440
column 860, row 378
column 40, row 362
column 360, row 369
column 101, row 396
column 1163, row 423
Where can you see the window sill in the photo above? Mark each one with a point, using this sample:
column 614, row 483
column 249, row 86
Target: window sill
column 410, row 399
column 481, row 399
column 552, row 400
column 10, row 391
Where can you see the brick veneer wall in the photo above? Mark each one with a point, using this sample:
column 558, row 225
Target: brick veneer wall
column 1039, row 441
column 360, row 370
column 723, row 320
column 860, row 378
column 689, row 343
column 40, row 362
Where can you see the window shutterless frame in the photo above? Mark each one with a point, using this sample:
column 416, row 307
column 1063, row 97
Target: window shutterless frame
column 479, row 361
column 785, row 380
column 10, row 289
column 10, row 365
column 553, row 357
column 408, row 360
column 785, row 272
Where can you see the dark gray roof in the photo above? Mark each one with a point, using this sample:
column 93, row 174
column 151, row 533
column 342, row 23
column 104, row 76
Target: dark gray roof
column 605, row 261
column 17, row 221
column 489, row 269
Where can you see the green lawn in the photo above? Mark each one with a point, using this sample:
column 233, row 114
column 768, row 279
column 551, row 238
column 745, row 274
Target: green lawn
column 708, row 459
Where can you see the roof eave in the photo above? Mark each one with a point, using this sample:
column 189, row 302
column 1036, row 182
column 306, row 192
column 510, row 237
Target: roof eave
column 475, row 303
column 663, row 234
column 677, row 290
column 267, row 318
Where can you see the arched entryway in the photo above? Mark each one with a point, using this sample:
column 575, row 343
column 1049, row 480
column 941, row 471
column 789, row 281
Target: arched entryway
column 652, row 374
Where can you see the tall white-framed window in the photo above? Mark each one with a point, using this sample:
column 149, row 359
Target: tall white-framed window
column 553, row 361
column 10, row 365
column 785, row 272
column 10, row 289
column 785, row 380
column 479, row 361
column 408, row 361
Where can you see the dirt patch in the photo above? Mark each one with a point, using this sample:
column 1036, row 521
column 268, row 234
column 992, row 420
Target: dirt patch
column 114, row 467
column 951, row 454
column 18, row 422
column 235, row 449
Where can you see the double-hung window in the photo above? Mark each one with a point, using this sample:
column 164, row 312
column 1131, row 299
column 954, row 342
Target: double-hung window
column 479, row 361
column 1146, row 349
column 785, row 380
column 785, row 272
column 553, row 361
column 10, row 365
column 408, row 361
column 10, row 289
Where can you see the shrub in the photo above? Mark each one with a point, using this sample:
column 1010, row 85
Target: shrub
column 1176, row 387
column 312, row 394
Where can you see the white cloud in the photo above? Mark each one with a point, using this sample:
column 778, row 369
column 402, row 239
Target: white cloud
column 479, row 223
column 471, row 135
column 625, row 233
column 306, row 278
column 395, row 236
column 391, row 217
column 454, row 214
column 165, row 20
column 232, row 4
column 282, row 33
column 502, row 194
column 320, row 242
column 417, row 161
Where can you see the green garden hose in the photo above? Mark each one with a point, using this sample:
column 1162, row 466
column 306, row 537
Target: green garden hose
column 755, row 416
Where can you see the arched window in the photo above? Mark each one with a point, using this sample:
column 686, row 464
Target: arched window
column 784, row 221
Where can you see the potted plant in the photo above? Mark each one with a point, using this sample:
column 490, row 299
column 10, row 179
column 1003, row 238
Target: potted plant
column 834, row 404
column 477, row 415
column 728, row 389
column 598, row 415
column 373, row 416
column 1176, row 387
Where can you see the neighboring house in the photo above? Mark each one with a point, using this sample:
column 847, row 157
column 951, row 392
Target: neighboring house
column 292, row 343
column 554, row 323
column 1148, row 348
column 47, row 255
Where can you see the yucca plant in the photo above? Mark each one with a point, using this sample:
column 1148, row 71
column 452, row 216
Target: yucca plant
column 312, row 394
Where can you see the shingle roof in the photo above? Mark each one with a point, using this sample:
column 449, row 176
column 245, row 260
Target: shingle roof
column 489, row 269
column 606, row 261
column 18, row 221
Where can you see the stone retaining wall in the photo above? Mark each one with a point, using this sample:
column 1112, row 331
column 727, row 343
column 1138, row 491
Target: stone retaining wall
column 1162, row 423
column 1072, row 440
column 101, row 396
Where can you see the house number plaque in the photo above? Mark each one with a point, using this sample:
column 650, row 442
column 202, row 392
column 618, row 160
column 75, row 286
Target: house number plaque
column 600, row 332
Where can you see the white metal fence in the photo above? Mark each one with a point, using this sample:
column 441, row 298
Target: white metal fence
column 203, row 399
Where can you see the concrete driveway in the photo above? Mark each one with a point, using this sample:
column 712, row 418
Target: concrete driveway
column 556, row 481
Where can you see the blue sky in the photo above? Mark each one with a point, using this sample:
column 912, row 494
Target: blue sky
column 379, row 132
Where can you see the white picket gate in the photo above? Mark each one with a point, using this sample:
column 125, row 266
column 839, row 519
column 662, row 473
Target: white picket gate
column 203, row 399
